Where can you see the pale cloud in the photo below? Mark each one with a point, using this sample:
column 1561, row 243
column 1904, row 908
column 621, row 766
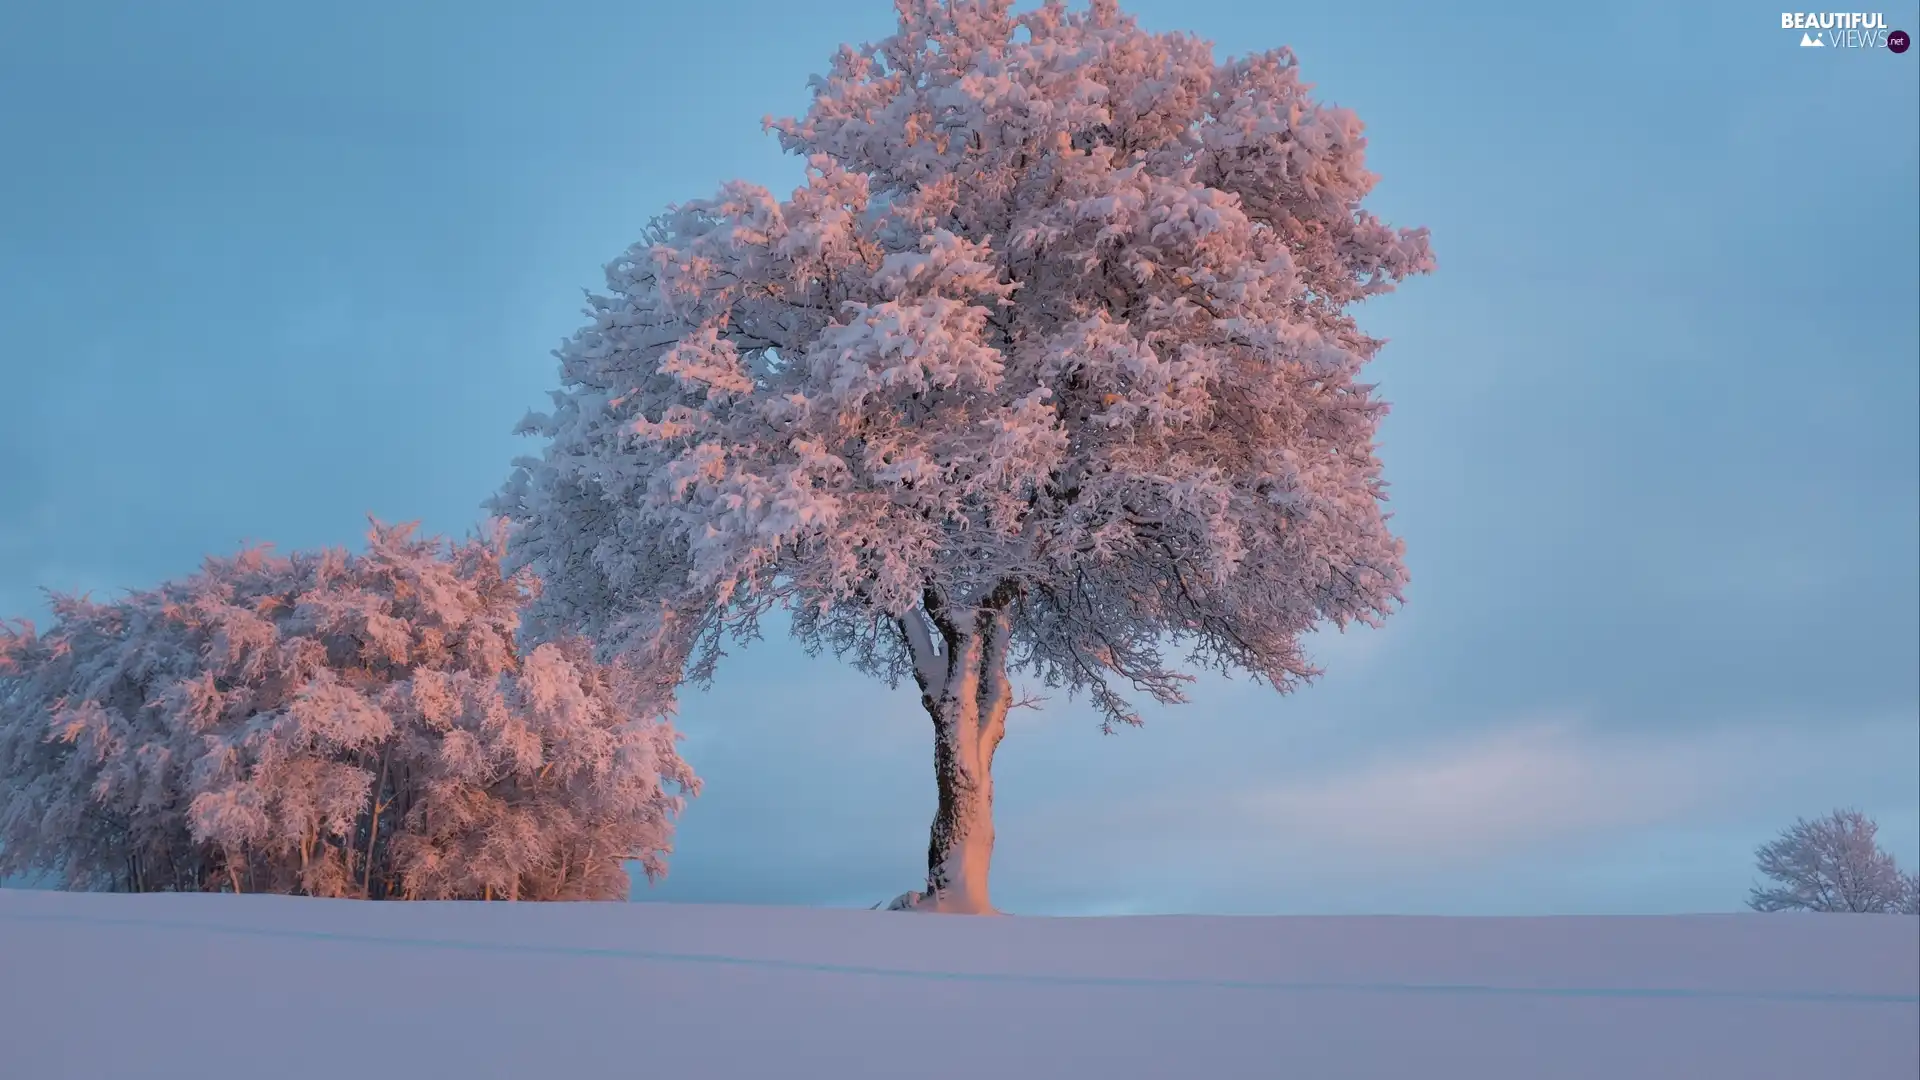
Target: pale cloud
column 1486, row 796
column 1554, row 779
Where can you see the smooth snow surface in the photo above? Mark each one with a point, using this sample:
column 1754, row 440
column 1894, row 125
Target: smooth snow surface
column 99, row 986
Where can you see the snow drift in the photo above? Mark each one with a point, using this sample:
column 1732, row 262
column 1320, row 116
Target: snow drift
column 189, row 985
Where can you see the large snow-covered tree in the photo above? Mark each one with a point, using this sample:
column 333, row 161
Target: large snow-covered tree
column 1049, row 367
column 332, row 724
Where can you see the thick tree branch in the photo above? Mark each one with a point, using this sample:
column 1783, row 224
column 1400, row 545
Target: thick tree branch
column 942, row 621
column 996, row 692
column 928, row 666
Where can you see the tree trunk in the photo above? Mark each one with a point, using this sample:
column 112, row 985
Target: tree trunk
column 967, row 694
column 373, row 821
column 960, row 847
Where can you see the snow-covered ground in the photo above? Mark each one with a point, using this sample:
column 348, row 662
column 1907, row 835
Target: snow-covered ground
column 95, row 986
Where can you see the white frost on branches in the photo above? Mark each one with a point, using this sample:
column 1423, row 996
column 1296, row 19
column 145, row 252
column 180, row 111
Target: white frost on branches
column 1057, row 328
column 1833, row 864
column 349, row 725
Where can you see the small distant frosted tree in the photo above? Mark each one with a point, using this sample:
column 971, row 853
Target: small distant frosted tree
column 1831, row 864
column 1909, row 894
column 1048, row 367
column 331, row 724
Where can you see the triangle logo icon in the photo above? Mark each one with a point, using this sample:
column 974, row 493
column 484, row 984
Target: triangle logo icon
column 1808, row 41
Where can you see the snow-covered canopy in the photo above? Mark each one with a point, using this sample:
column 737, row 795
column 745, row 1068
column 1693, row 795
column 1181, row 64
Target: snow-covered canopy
column 1058, row 324
column 333, row 724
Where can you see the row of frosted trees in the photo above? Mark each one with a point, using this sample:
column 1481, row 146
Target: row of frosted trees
column 330, row 724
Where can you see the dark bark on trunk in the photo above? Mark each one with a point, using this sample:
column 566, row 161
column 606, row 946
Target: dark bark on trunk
column 969, row 710
column 376, row 807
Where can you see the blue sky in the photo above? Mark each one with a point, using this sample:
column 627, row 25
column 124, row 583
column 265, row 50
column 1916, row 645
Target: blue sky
column 1655, row 449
